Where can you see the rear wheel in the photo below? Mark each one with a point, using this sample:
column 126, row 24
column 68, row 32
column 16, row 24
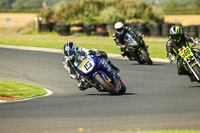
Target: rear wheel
column 146, row 56
column 197, row 71
column 107, row 85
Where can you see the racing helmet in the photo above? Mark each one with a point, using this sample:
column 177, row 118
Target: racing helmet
column 69, row 49
column 119, row 28
column 175, row 33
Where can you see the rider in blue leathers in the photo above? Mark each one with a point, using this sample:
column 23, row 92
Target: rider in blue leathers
column 75, row 55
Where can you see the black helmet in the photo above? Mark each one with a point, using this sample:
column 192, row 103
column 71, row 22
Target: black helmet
column 175, row 33
column 69, row 49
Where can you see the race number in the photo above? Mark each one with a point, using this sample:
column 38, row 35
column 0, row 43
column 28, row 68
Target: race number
column 86, row 66
column 185, row 53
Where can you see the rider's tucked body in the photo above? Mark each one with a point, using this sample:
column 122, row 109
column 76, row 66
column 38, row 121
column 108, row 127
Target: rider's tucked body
column 75, row 55
column 119, row 36
column 177, row 41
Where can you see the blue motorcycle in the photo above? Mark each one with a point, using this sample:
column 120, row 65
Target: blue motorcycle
column 100, row 75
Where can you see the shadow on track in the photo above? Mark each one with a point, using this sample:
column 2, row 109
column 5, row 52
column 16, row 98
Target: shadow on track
column 100, row 94
column 155, row 64
column 194, row 86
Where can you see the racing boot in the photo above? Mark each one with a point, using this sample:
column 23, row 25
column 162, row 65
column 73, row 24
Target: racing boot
column 129, row 56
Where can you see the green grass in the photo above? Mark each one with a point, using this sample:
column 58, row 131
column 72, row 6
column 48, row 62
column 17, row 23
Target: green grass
column 107, row 44
column 17, row 91
column 170, row 131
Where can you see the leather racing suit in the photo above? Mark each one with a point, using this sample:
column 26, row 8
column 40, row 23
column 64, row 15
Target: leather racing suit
column 172, row 48
column 119, row 40
column 70, row 64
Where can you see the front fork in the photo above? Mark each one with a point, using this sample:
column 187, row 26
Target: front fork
column 190, row 67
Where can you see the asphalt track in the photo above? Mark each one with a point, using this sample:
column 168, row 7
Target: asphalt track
column 156, row 98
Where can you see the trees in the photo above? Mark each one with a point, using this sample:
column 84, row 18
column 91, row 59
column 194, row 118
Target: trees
column 98, row 11
column 4, row 4
column 27, row 4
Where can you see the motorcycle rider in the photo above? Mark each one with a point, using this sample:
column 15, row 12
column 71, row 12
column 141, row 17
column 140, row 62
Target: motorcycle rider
column 177, row 40
column 75, row 55
column 119, row 33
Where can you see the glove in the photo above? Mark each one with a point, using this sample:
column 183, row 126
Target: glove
column 123, row 53
column 92, row 52
column 123, row 46
column 172, row 58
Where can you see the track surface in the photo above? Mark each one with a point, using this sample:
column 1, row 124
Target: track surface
column 156, row 99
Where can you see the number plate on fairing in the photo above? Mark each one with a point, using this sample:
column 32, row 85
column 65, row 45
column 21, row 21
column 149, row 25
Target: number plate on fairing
column 87, row 65
column 185, row 53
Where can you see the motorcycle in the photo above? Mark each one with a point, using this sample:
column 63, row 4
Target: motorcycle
column 95, row 71
column 190, row 58
column 137, row 49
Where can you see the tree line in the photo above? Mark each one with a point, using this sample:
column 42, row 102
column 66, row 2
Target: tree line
column 102, row 11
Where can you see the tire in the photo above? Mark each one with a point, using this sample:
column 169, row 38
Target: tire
column 197, row 71
column 109, row 87
column 136, row 57
column 146, row 56
column 123, row 88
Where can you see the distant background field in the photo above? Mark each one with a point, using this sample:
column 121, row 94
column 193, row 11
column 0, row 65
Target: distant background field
column 185, row 20
column 21, row 20
column 16, row 21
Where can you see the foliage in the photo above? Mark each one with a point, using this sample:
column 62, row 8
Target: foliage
column 178, row 7
column 27, row 4
column 90, row 11
column 106, row 15
column 46, row 13
column 4, row 4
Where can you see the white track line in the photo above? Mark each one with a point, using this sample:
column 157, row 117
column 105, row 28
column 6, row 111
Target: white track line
column 49, row 92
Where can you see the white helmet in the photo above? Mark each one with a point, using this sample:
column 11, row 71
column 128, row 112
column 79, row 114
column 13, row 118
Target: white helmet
column 119, row 27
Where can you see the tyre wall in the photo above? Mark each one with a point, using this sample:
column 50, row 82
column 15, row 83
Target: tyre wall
column 156, row 29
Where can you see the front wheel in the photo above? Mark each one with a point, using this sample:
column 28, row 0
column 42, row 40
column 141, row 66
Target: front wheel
column 146, row 56
column 197, row 71
column 106, row 85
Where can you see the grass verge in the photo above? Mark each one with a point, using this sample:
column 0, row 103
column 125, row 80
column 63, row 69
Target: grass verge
column 10, row 91
column 168, row 131
column 107, row 44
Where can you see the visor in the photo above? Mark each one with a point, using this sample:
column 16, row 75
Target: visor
column 70, row 52
column 175, row 37
column 120, row 30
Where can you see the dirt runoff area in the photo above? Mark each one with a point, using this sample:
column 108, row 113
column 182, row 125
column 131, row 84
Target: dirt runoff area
column 10, row 20
column 185, row 20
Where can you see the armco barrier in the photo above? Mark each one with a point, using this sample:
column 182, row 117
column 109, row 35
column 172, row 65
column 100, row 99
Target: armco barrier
column 193, row 31
column 198, row 28
column 186, row 29
column 62, row 29
column 100, row 30
column 46, row 27
column 88, row 29
column 156, row 29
